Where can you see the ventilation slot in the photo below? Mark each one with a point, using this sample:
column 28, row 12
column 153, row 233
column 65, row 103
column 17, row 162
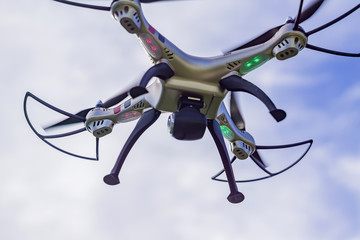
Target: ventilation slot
column 233, row 65
column 289, row 47
column 139, row 105
column 128, row 18
column 169, row 54
column 136, row 16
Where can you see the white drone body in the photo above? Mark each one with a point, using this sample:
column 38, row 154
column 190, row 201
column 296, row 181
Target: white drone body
column 200, row 76
column 197, row 77
column 192, row 89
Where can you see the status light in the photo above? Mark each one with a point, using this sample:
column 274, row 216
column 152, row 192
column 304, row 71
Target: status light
column 253, row 63
column 128, row 116
column 151, row 46
column 226, row 131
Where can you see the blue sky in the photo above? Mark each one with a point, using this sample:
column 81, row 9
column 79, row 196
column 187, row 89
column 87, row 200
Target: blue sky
column 73, row 57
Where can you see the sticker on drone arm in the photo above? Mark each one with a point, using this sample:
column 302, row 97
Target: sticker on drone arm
column 117, row 109
column 153, row 31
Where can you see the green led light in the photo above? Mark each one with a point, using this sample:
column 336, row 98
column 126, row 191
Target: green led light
column 228, row 134
column 256, row 59
column 253, row 63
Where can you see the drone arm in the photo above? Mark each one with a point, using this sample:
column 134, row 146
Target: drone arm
column 237, row 83
column 146, row 120
column 235, row 196
column 161, row 70
column 130, row 109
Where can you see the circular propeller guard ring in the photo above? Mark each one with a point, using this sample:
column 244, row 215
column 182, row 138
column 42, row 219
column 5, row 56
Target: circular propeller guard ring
column 270, row 174
column 44, row 138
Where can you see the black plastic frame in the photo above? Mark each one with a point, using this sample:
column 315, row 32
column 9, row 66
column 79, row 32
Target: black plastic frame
column 310, row 142
column 44, row 138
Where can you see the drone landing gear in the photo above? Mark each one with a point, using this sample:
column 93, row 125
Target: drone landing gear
column 147, row 119
column 161, row 70
column 235, row 196
column 236, row 83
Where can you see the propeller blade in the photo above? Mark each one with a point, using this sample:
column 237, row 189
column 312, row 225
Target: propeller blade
column 235, row 113
column 258, row 40
column 333, row 21
column 71, row 120
column 297, row 19
column 258, row 160
column 316, row 48
column 114, row 100
column 309, row 10
column 103, row 8
column 81, row 116
column 97, row 147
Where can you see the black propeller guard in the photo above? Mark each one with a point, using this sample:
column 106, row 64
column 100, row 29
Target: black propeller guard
column 270, row 174
column 71, row 116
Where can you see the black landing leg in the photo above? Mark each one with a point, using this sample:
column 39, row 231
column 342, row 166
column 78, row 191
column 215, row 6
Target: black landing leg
column 235, row 196
column 161, row 70
column 238, row 84
column 146, row 120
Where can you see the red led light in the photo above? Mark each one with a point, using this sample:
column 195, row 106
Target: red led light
column 153, row 48
column 148, row 40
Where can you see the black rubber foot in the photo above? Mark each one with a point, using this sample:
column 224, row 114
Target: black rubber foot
column 236, row 197
column 137, row 91
column 111, row 179
column 278, row 114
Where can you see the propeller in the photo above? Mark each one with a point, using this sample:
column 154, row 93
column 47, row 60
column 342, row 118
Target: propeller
column 302, row 16
column 102, row 8
column 81, row 115
column 307, row 13
column 235, row 112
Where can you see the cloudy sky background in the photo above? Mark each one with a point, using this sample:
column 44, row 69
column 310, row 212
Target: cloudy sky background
column 73, row 57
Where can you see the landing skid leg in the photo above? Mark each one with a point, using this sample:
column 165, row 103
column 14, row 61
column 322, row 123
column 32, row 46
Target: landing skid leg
column 235, row 196
column 161, row 70
column 236, row 83
column 147, row 119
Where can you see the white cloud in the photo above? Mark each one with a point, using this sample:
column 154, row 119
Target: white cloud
column 347, row 172
column 352, row 94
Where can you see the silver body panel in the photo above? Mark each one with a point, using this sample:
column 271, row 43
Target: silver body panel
column 194, row 76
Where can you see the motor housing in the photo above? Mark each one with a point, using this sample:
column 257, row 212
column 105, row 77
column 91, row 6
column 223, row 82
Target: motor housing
column 128, row 17
column 289, row 47
column 240, row 149
column 100, row 128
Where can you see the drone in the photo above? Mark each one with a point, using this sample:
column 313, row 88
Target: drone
column 192, row 89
